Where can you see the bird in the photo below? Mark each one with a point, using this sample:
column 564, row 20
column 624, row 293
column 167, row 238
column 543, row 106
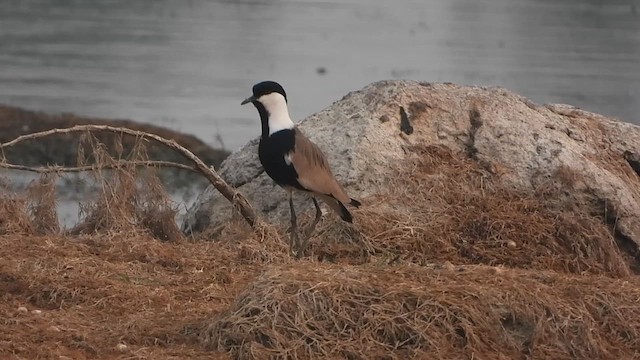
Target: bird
column 294, row 162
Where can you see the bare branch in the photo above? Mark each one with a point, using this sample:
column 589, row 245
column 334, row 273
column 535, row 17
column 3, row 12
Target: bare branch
column 227, row 191
column 57, row 168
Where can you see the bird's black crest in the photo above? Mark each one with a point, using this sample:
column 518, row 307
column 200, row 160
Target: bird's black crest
column 268, row 87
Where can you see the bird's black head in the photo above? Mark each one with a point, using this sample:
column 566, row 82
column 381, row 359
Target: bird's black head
column 265, row 88
column 270, row 100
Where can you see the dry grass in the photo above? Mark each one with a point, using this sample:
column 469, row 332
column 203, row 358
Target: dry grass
column 563, row 290
column 32, row 212
column 398, row 312
column 14, row 216
column 130, row 200
column 42, row 204
column 458, row 212
column 95, row 292
column 554, row 293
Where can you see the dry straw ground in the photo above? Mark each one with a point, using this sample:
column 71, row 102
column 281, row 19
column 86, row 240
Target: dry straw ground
column 447, row 264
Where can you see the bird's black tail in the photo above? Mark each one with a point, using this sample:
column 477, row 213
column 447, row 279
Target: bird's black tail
column 344, row 213
column 339, row 207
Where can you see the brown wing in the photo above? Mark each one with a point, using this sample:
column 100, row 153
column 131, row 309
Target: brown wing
column 313, row 169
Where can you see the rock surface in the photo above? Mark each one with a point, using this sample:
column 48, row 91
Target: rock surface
column 522, row 143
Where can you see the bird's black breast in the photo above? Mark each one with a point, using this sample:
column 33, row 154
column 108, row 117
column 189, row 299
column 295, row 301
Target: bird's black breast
column 272, row 150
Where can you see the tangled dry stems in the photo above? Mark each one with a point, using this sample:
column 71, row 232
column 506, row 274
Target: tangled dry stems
column 32, row 212
column 445, row 207
column 238, row 200
column 396, row 312
column 42, row 207
column 130, row 200
column 14, row 217
column 97, row 291
column 553, row 294
column 393, row 303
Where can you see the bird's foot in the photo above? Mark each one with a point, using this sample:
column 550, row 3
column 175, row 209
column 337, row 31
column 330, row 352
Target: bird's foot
column 312, row 227
column 296, row 246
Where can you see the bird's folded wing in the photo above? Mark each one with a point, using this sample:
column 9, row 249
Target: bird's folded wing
column 313, row 169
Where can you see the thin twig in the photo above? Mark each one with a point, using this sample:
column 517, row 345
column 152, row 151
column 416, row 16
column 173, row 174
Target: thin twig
column 58, row 168
column 227, row 191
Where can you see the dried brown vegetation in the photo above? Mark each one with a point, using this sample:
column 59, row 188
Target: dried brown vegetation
column 14, row 217
column 237, row 199
column 95, row 292
column 130, row 200
column 42, row 204
column 446, row 207
column 448, row 264
column 310, row 310
column 125, row 274
column 30, row 213
column 536, row 275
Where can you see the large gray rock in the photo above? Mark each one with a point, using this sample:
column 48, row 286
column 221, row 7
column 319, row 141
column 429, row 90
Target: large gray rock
column 521, row 142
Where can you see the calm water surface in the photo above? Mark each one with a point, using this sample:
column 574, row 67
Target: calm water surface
column 188, row 64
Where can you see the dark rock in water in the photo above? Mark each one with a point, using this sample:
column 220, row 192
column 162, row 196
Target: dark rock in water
column 15, row 122
column 62, row 149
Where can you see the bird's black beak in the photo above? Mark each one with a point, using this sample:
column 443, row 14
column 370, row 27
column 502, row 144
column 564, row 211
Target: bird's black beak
column 248, row 100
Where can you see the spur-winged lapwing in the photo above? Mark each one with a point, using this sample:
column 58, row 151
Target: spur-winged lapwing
column 293, row 161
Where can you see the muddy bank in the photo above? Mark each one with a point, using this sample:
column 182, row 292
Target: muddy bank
column 63, row 149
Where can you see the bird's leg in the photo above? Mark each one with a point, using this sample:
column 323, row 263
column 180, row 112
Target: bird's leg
column 293, row 242
column 312, row 226
column 315, row 222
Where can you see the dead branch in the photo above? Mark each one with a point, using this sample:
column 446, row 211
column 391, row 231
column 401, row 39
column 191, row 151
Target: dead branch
column 225, row 189
column 57, row 168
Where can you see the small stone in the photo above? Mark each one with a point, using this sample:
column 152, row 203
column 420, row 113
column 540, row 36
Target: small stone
column 512, row 244
column 23, row 309
column 36, row 312
column 122, row 347
column 448, row 266
column 54, row 328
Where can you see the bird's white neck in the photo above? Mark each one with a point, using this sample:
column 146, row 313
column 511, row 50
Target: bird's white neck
column 276, row 106
column 279, row 122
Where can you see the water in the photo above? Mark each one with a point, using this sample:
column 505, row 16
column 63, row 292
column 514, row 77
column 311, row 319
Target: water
column 188, row 64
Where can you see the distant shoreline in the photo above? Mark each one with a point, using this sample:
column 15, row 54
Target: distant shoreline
column 16, row 121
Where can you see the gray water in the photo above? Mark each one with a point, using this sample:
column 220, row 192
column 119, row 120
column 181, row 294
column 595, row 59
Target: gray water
column 188, row 64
